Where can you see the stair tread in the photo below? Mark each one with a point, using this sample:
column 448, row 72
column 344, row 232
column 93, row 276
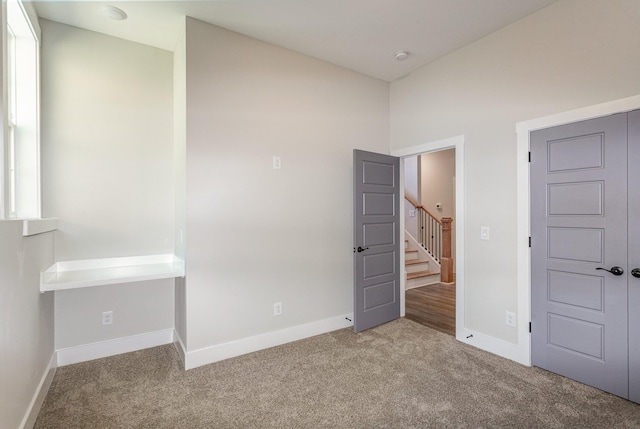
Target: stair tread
column 410, row 250
column 415, row 261
column 419, row 274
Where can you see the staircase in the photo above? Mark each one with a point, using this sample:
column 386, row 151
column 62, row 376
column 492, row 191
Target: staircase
column 420, row 267
column 434, row 242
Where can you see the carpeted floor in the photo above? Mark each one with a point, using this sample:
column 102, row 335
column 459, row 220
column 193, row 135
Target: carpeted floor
column 399, row 375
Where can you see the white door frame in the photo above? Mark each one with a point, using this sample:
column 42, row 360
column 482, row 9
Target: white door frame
column 456, row 143
column 523, row 210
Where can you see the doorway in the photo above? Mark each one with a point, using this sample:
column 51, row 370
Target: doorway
column 456, row 143
column 429, row 202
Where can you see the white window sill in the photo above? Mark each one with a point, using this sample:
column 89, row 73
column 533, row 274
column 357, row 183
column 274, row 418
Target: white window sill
column 38, row 226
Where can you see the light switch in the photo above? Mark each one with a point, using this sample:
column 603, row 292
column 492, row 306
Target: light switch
column 484, row 233
column 412, row 213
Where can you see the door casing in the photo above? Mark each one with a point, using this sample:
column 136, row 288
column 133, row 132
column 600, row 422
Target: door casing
column 456, row 143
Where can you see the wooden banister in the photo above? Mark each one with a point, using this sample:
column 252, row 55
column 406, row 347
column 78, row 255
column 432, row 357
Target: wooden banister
column 412, row 201
column 420, row 206
column 446, row 262
column 435, row 237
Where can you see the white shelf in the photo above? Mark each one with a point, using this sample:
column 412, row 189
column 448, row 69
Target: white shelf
column 106, row 271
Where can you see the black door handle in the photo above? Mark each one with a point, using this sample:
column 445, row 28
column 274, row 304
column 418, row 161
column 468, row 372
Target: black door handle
column 636, row 273
column 616, row 271
column 360, row 249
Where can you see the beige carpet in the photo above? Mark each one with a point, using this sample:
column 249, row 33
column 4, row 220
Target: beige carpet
column 399, row 375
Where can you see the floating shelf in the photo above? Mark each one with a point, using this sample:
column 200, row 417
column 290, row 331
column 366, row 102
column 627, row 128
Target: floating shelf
column 106, row 271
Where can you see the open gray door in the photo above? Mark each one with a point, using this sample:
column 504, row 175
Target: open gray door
column 376, row 242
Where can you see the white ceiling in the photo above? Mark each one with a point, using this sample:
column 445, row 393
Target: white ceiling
column 362, row 35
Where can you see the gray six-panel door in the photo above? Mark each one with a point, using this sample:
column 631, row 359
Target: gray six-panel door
column 579, row 228
column 376, row 242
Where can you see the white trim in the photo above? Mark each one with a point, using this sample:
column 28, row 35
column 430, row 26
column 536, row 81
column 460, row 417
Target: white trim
column 456, row 143
column 434, row 146
column 523, row 214
column 211, row 354
column 403, row 275
column 29, row 419
column 113, row 347
column 180, row 347
column 490, row 344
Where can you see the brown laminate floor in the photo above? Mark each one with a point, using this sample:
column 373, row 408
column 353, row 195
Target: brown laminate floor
column 433, row 306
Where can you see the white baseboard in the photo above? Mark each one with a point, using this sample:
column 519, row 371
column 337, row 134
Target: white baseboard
column 33, row 410
column 493, row 345
column 180, row 347
column 267, row 340
column 113, row 347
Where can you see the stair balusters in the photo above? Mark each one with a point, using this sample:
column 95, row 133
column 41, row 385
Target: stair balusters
column 435, row 236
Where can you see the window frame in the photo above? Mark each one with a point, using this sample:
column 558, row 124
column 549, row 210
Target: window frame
column 21, row 134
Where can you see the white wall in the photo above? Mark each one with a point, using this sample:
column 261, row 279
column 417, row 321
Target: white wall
column 255, row 235
column 108, row 173
column 411, row 188
column 26, row 320
column 571, row 54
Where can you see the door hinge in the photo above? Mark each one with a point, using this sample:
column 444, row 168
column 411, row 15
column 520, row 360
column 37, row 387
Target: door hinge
column 529, row 241
column 529, row 327
column 529, row 156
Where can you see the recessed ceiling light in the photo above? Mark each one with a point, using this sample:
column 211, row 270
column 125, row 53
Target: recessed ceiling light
column 401, row 55
column 113, row 12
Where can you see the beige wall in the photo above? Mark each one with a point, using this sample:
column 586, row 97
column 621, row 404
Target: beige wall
column 437, row 175
column 571, row 54
column 437, row 185
column 26, row 320
column 255, row 235
column 108, row 173
column 411, row 189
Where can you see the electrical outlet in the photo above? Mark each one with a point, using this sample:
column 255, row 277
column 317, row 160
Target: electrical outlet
column 511, row 319
column 484, row 233
column 277, row 309
column 277, row 163
column 107, row 317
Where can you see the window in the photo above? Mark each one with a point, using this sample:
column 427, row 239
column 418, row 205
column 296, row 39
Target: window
column 21, row 190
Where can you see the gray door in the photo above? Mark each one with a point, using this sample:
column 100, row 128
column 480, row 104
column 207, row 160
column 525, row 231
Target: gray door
column 376, row 242
column 579, row 226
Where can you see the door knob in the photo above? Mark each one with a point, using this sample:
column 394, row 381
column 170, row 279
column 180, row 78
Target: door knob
column 360, row 249
column 616, row 271
column 636, row 272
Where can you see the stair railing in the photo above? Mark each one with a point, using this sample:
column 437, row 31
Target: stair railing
column 434, row 235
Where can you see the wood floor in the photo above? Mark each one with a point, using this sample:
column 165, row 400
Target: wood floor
column 433, row 306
